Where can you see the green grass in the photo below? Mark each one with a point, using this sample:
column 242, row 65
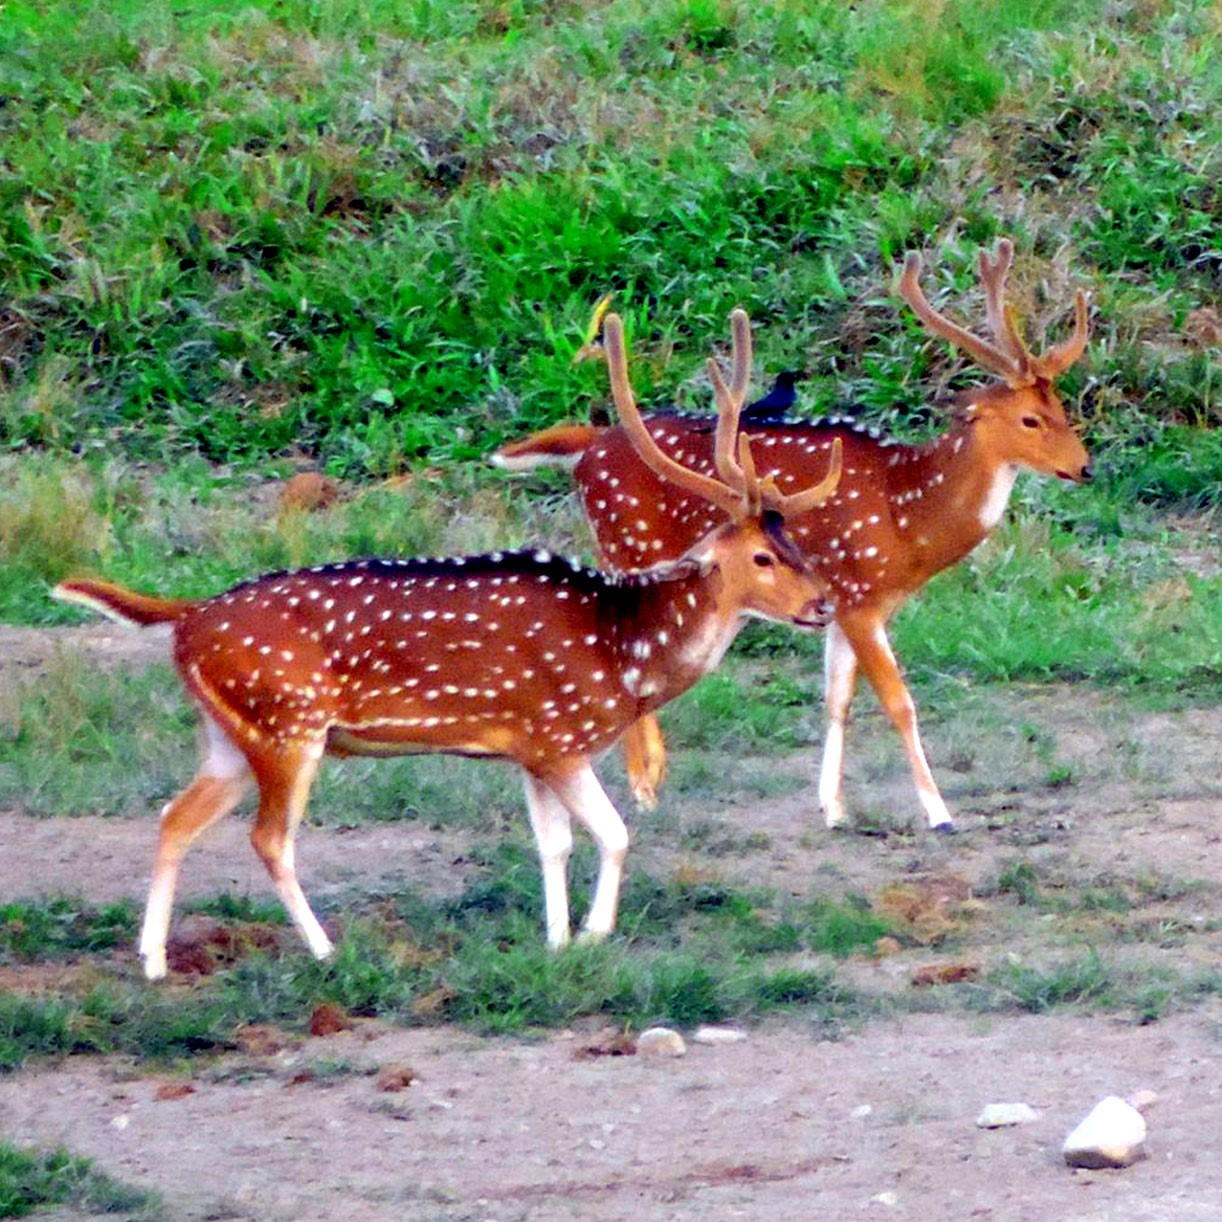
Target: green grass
column 31, row 1181
column 63, row 927
column 366, row 237
column 372, row 233
column 687, row 953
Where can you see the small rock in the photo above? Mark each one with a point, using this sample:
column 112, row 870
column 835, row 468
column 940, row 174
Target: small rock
column 609, row 1043
column 173, row 1090
column 1143, row 1100
column 308, row 491
column 660, row 1042
column 1112, row 1135
column 394, row 1078
column 1001, row 1115
column 861, row 1112
column 945, row 973
column 886, row 1198
column 329, row 1019
column 719, row 1035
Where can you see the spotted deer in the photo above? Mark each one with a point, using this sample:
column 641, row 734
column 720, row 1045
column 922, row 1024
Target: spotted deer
column 901, row 514
column 516, row 656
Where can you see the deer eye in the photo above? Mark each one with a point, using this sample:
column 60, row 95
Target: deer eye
column 1031, row 422
column 764, row 560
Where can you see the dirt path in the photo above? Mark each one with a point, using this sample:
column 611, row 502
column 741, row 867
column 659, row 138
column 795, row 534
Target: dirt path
column 780, row 1126
column 785, row 1125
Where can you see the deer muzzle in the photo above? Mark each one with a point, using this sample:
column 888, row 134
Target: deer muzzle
column 817, row 613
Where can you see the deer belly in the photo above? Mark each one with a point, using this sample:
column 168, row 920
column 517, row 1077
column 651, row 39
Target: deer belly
column 385, row 740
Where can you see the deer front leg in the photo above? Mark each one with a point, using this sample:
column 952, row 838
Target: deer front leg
column 839, row 683
column 645, row 760
column 549, row 818
column 586, row 800
column 868, row 639
column 284, row 775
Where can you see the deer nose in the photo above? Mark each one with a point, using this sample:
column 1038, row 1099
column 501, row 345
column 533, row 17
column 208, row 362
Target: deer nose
column 817, row 613
column 1083, row 476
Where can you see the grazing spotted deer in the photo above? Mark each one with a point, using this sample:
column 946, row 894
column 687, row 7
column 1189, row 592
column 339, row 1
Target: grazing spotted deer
column 901, row 514
column 516, row 656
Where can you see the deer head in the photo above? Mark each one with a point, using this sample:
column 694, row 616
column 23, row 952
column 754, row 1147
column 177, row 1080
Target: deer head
column 1021, row 419
column 762, row 568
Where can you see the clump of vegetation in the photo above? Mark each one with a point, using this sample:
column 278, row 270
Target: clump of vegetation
column 32, row 1180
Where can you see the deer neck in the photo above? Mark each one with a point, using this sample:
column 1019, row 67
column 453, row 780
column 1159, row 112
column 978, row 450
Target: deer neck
column 671, row 629
column 948, row 494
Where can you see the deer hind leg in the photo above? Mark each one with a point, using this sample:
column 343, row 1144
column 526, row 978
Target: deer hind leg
column 586, row 800
column 222, row 781
column 839, row 683
column 285, row 773
column 645, row 760
column 549, row 818
column 874, row 654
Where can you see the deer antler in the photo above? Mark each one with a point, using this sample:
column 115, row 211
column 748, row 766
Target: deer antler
column 723, row 496
column 739, row 492
column 1009, row 357
column 981, row 351
column 1060, row 356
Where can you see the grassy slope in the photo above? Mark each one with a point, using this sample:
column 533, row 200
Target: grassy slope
column 373, row 231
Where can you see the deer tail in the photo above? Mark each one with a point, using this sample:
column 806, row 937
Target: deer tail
column 560, row 446
column 126, row 606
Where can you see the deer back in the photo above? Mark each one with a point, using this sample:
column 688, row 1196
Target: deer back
column 520, row 655
column 900, row 514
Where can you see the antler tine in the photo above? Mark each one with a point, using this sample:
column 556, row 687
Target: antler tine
column 724, row 497
column 752, row 492
column 1060, row 356
column 812, row 498
column 730, row 400
column 982, row 352
column 999, row 316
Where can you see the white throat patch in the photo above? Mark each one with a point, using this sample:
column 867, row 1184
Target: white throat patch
column 998, row 496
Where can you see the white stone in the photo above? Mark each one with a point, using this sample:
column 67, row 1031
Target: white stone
column 719, row 1035
column 1001, row 1115
column 1112, row 1135
column 660, row 1042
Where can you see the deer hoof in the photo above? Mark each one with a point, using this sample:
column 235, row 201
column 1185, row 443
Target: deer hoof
column 945, row 829
column 645, row 796
column 154, row 965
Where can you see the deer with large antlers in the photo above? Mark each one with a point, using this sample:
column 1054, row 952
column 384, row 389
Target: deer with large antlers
column 901, row 514
column 515, row 656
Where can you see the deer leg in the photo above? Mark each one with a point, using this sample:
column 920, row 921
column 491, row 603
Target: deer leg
column 645, row 760
column 549, row 818
column 285, row 774
column 586, row 800
column 839, row 682
column 874, row 655
column 220, row 784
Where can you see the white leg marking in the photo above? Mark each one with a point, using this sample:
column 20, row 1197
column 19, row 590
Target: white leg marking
column 587, row 801
column 549, row 818
column 220, row 784
column 839, row 680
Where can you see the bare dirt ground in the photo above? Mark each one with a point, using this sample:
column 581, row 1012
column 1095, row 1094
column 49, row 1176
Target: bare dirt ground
column 787, row 1124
